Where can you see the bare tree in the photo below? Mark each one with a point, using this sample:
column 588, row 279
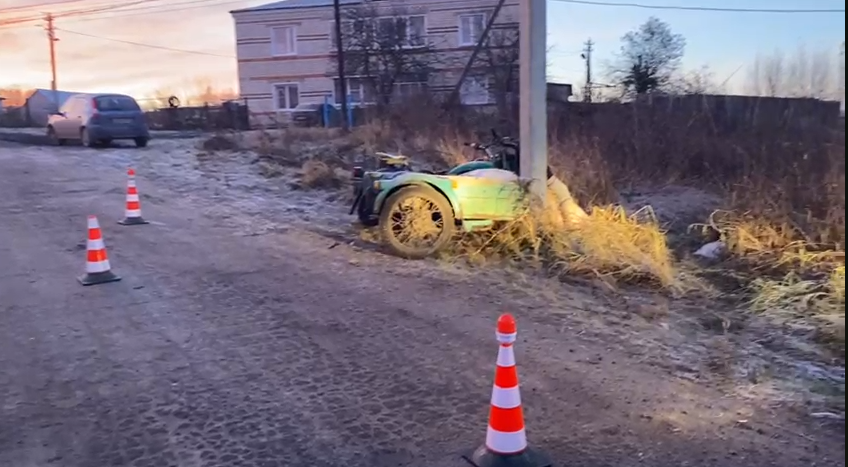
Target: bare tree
column 649, row 58
column 801, row 74
column 386, row 53
column 773, row 74
column 700, row 81
column 498, row 61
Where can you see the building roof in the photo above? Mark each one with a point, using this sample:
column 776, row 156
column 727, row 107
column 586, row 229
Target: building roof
column 61, row 96
column 294, row 4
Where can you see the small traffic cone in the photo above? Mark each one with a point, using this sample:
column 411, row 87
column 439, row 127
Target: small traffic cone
column 132, row 214
column 97, row 268
column 506, row 440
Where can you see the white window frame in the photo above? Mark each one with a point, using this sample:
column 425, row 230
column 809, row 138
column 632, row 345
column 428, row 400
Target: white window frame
column 376, row 21
column 360, row 92
column 419, row 86
column 292, row 37
column 275, row 90
column 423, row 32
column 465, row 41
column 476, row 99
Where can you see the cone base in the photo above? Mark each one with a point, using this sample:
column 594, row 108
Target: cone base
column 482, row 457
column 98, row 278
column 133, row 221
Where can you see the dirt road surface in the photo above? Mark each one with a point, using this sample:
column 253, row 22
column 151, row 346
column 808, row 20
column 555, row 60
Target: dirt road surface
column 239, row 339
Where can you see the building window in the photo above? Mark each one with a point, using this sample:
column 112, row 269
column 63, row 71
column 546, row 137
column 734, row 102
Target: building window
column 409, row 86
column 416, row 31
column 471, row 28
column 403, row 31
column 286, row 96
column 357, row 89
column 283, row 41
column 475, row 91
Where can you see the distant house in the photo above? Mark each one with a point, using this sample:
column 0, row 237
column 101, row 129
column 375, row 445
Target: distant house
column 286, row 49
column 43, row 102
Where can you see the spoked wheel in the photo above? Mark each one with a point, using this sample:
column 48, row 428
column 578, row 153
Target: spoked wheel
column 416, row 222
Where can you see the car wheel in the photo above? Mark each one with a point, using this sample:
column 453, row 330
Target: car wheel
column 416, row 222
column 105, row 142
column 141, row 142
column 85, row 139
column 51, row 133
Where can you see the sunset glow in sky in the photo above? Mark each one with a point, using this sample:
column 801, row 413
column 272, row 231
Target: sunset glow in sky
column 725, row 41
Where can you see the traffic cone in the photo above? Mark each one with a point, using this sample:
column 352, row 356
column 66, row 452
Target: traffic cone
column 132, row 214
column 506, row 440
column 97, row 268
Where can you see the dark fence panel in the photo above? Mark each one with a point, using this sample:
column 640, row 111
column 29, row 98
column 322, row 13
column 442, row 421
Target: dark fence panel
column 231, row 115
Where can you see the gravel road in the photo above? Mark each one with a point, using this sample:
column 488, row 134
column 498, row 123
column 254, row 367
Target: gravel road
column 239, row 340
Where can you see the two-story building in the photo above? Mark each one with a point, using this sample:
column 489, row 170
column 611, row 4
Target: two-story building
column 286, row 50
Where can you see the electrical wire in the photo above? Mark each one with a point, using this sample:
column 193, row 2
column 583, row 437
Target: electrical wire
column 698, row 8
column 39, row 5
column 73, row 13
column 92, row 14
column 140, row 44
column 157, row 9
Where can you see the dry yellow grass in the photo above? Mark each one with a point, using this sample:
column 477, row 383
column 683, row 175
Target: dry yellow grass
column 786, row 224
column 608, row 244
column 794, row 300
column 317, row 174
column 795, row 281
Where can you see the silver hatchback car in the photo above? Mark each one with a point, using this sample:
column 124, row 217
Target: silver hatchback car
column 96, row 119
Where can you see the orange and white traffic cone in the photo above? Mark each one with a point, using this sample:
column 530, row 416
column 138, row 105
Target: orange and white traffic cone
column 132, row 214
column 97, row 267
column 506, row 440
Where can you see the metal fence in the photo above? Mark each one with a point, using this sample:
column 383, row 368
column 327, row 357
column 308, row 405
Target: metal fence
column 230, row 115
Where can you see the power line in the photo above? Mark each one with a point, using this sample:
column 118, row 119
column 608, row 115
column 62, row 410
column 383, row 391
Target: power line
column 78, row 12
column 90, row 15
column 156, row 9
column 39, row 5
column 151, row 46
column 697, row 8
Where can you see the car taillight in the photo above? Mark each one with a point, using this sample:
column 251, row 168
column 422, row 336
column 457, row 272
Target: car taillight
column 357, row 172
column 95, row 116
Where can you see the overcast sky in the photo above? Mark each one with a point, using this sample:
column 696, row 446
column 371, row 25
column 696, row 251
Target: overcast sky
column 725, row 41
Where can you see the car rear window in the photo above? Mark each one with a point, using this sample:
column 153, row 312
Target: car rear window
column 118, row 103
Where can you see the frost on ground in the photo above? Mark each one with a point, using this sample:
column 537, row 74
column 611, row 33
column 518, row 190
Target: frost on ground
column 699, row 339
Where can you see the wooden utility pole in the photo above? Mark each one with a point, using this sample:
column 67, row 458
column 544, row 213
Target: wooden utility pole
column 340, row 63
column 51, row 39
column 587, row 55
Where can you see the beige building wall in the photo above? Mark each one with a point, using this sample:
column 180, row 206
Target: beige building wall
column 311, row 66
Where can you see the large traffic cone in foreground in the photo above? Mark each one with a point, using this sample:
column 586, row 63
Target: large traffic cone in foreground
column 132, row 214
column 506, row 440
column 97, row 268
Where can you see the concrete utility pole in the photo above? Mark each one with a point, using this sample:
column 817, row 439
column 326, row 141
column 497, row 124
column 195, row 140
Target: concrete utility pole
column 533, row 95
column 340, row 62
column 51, row 39
column 587, row 55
